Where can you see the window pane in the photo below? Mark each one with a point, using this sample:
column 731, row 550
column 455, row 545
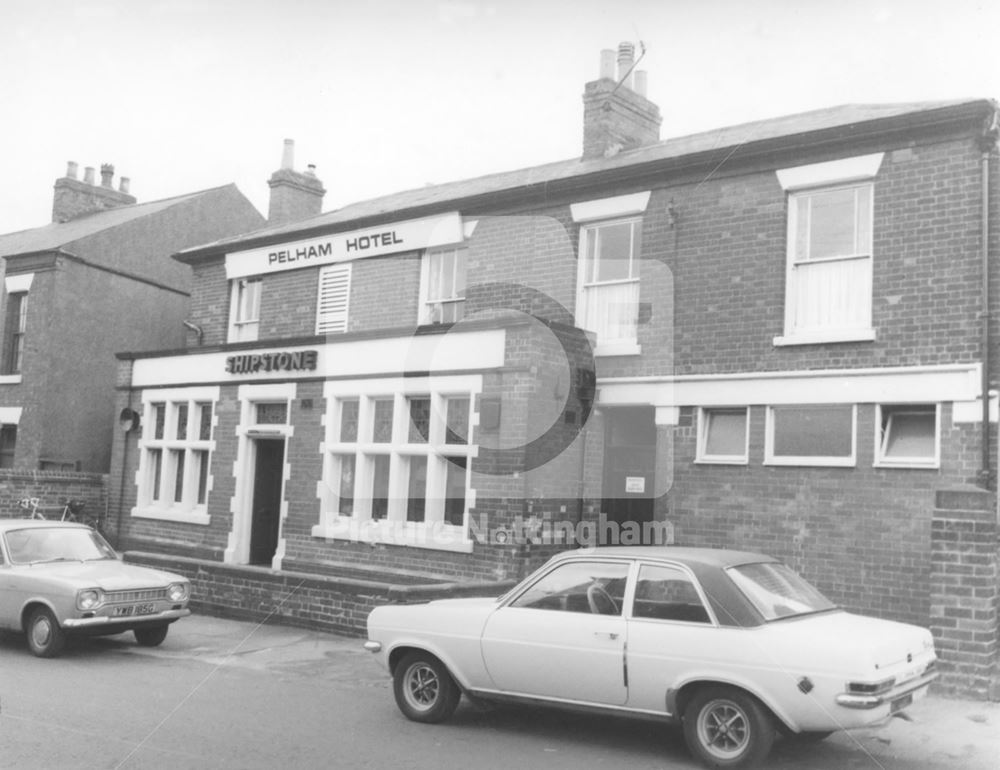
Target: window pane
column 725, row 432
column 182, row 421
column 349, row 420
column 204, row 421
column 566, row 588
column 454, row 496
column 614, row 252
column 667, row 594
column 156, row 462
column 8, row 443
column 345, row 475
column 380, row 487
column 813, row 431
column 201, row 459
column 909, row 432
column 864, row 228
column 832, row 224
column 382, row 427
column 272, row 414
column 458, row 420
column 420, row 420
column 159, row 419
column 416, row 502
column 178, row 457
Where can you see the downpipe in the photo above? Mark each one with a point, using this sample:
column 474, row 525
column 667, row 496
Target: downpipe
column 988, row 142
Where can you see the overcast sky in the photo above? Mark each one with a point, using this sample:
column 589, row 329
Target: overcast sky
column 387, row 95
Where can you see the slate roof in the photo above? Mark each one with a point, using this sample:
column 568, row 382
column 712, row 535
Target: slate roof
column 721, row 141
column 61, row 235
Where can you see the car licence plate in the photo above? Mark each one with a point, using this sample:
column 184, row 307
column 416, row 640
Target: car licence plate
column 900, row 703
column 134, row 609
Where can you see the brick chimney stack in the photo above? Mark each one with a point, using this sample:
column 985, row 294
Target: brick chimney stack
column 295, row 194
column 74, row 198
column 617, row 115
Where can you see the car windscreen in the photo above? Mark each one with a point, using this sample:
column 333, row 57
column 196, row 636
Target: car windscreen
column 42, row 544
column 777, row 591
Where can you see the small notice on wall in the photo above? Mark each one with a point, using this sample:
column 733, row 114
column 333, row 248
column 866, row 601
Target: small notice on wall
column 635, row 485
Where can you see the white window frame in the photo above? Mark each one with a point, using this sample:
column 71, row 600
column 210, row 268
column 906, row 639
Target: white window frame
column 881, row 436
column 587, row 286
column 160, row 503
column 803, row 182
column 430, row 305
column 333, row 300
column 244, row 326
column 810, row 460
column 433, row 532
column 704, row 424
column 19, row 284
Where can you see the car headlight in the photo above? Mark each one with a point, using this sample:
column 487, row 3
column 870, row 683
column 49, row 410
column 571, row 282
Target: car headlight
column 177, row 592
column 89, row 599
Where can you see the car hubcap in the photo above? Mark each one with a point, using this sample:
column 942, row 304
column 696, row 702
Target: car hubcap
column 723, row 729
column 41, row 632
column 422, row 686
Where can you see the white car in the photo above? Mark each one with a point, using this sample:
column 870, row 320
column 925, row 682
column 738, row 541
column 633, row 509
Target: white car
column 59, row 580
column 734, row 646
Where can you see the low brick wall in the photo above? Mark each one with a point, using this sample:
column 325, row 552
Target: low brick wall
column 332, row 603
column 52, row 489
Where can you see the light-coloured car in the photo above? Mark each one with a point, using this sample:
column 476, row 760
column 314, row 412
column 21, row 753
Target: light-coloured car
column 59, row 579
column 734, row 646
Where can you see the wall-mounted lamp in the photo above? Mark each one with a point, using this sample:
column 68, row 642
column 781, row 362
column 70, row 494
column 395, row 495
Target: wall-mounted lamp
column 128, row 420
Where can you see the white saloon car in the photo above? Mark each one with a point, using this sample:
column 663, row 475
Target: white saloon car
column 59, row 579
column 734, row 646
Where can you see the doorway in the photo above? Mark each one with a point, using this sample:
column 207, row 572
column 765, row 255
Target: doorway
column 265, row 520
column 630, row 464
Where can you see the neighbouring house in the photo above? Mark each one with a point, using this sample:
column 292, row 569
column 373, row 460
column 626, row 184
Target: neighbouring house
column 777, row 336
column 97, row 280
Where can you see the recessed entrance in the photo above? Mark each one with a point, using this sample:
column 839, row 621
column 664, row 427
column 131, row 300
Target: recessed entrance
column 265, row 521
column 629, row 464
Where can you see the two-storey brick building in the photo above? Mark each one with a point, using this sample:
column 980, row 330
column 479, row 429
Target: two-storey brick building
column 774, row 336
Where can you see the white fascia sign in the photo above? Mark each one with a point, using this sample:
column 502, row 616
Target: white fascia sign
column 390, row 238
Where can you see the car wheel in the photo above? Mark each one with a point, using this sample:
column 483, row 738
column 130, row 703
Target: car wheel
column 726, row 727
column 424, row 690
column 151, row 636
column 45, row 638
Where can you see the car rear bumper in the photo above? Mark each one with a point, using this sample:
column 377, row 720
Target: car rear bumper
column 101, row 621
column 896, row 698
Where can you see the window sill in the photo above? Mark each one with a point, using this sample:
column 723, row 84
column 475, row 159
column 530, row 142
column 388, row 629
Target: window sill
column 441, row 537
column 162, row 513
column 10, row 379
column 826, row 337
column 929, row 465
column 618, row 349
column 722, row 461
column 812, row 462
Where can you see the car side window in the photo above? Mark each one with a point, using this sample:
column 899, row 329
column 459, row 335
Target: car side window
column 594, row 587
column 667, row 593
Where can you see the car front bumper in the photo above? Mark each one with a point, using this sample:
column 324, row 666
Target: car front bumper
column 101, row 621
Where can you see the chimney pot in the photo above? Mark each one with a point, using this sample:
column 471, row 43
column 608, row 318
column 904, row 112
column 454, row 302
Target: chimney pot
column 123, row 184
column 626, row 60
column 107, row 172
column 88, row 174
column 607, row 64
column 288, row 155
column 641, row 82
column 311, row 169
column 71, row 168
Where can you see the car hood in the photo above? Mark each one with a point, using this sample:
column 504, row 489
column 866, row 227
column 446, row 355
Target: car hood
column 107, row 574
column 882, row 643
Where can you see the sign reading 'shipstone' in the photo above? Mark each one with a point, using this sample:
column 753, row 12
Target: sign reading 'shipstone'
column 253, row 363
column 391, row 238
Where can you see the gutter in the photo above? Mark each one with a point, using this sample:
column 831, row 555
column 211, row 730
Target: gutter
column 987, row 143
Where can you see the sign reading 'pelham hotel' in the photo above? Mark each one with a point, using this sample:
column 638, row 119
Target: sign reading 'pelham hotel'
column 391, row 238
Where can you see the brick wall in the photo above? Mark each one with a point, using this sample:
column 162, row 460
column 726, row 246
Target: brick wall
column 53, row 489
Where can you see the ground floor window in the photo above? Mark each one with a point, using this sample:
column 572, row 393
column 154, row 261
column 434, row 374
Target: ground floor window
column 175, row 451
column 907, row 435
column 397, row 460
column 8, row 442
column 811, row 434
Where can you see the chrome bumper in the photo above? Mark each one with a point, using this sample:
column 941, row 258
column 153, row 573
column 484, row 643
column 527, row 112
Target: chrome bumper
column 105, row 620
column 855, row 701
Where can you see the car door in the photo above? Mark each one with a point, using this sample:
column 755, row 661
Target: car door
column 563, row 636
column 670, row 632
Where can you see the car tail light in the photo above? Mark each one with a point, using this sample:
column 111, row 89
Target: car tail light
column 871, row 688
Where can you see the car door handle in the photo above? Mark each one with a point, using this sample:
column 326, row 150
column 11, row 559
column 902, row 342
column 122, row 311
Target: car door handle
column 610, row 634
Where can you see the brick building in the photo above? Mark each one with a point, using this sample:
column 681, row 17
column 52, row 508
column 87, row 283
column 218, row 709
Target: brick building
column 773, row 336
column 95, row 280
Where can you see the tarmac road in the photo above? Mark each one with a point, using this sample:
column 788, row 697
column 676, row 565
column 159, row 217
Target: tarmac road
column 234, row 695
